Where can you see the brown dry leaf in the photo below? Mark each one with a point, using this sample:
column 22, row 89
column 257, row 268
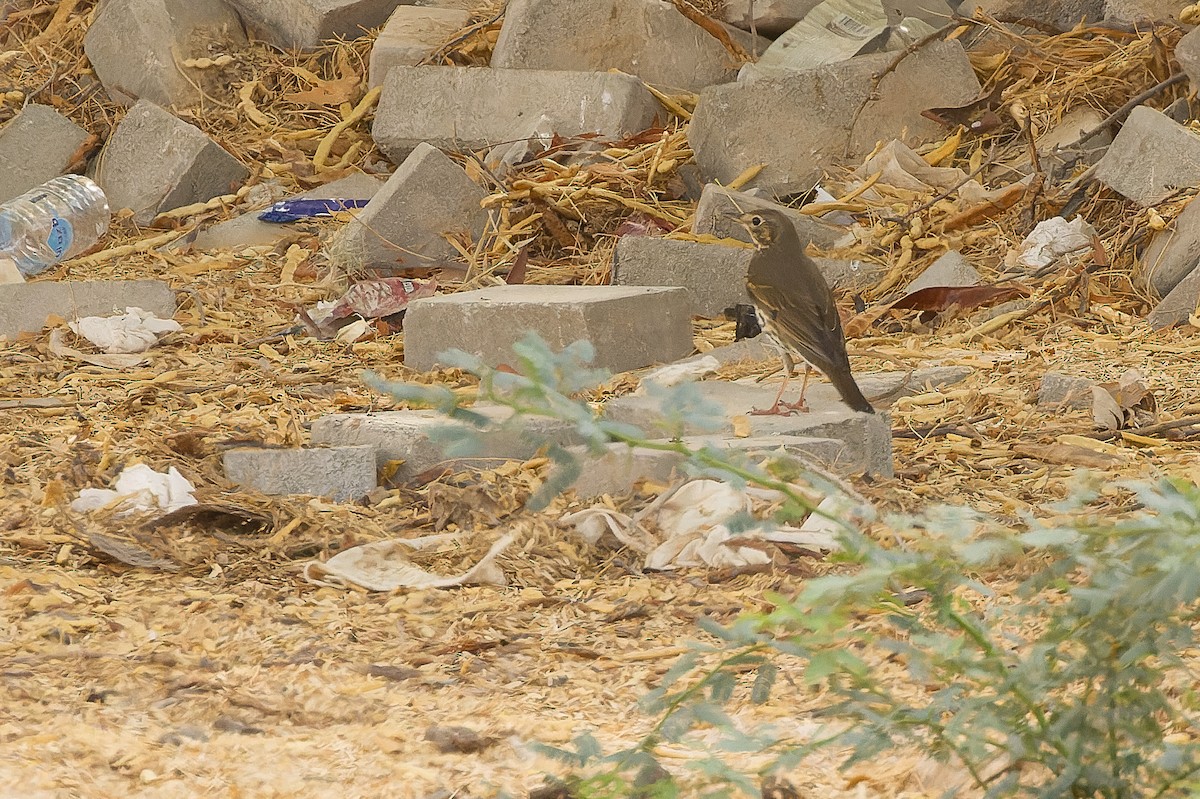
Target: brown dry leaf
column 941, row 298
column 330, row 92
column 1067, row 455
column 1106, row 413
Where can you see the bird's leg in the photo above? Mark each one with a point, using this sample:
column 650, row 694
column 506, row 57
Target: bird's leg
column 800, row 404
column 779, row 408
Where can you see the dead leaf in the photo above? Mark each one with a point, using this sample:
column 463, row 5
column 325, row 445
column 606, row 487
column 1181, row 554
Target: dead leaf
column 128, row 553
column 330, row 92
column 1067, row 455
column 516, row 273
column 119, row 362
column 941, row 298
column 1106, row 413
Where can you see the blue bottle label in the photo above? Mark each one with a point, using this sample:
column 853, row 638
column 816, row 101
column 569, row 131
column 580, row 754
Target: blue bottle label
column 60, row 237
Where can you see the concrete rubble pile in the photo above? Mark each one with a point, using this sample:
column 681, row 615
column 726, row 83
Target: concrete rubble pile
column 784, row 96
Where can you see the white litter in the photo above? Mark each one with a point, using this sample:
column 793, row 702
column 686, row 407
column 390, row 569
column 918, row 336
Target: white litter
column 133, row 331
column 1050, row 240
column 140, row 488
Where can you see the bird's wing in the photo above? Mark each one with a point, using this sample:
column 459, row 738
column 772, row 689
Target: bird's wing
column 821, row 342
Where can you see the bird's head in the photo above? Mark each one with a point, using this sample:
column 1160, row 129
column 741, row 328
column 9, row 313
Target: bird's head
column 765, row 226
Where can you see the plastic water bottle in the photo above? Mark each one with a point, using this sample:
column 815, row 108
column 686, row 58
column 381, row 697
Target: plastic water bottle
column 54, row 222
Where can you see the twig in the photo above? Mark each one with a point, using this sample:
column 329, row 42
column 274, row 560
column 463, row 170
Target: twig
column 930, row 431
column 1150, row 429
column 712, row 28
column 463, row 35
column 1131, row 104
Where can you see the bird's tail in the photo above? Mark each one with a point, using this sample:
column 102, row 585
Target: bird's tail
column 852, row 395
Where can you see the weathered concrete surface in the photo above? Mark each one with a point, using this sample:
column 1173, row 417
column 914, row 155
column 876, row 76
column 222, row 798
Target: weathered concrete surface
column 813, row 114
column 1187, row 53
column 718, row 206
column 25, row 306
column 342, row 474
column 1172, row 253
column 411, row 35
column 35, row 146
column 140, row 49
column 647, row 38
column 406, row 439
column 768, row 17
column 1179, row 304
column 714, row 275
column 304, row 24
column 154, row 162
column 406, row 223
column 247, row 230
column 456, row 108
column 1067, row 391
column 951, row 270
column 1151, row 157
column 630, row 327
column 1062, row 14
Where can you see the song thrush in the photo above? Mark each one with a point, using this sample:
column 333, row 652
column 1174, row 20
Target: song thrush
column 796, row 309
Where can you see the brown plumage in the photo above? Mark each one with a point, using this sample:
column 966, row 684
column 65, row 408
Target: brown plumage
column 795, row 306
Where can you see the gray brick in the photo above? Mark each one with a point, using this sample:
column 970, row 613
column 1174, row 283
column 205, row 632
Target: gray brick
column 798, row 125
column 154, row 162
column 305, row 24
column 1062, row 14
column 459, row 108
column 1150, row 158
column 412, row 34
column 343, row 474
column 950, row 270
column 1057, row 389
column 1179, row 304
column 1172, row 253
column 713, row 274
column 647, row 38
column 25, row 306
column 428, row 196
column 407, row 438
column 629, row 327
column 35, row 146
column 718, row 206
column 139, row 48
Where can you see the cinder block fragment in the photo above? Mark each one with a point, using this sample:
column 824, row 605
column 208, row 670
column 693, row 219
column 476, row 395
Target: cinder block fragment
column 406, row 223
column 1068, row 391
column 305, row 24
column 951, row 270
column 140, row 49
column 343, row 474
column 718, row 206
column 1151, row 157
column 411, row 35
column 714, row 275
column 35, row 146
column 1179, row 304
column 647, row 38
column 630, row 327
column 460, row 108
column 25, row 306
column 814, row 115
column 154, row 162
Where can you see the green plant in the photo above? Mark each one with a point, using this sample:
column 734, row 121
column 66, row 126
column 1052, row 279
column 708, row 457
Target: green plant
column 1076, row 682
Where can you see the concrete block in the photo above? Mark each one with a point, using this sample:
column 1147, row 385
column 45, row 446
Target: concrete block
column 342, row 474
column 629, row 327
column 620, row 467
column 305, row 24
column 865, row 438
column 767, row 17
column 139, row 49
column 799, row 125
column 1143, row 12
column 411, row 35
column 154, row 162
column 951, row 270
column 472, row 109
column 1150, row 157
column 718, row 206
column 247, row 230
column 1187, row 53
column 406, row 222
column 408, row 438
column 647, row 38
column 1061, row 14
column 1059, row 390
column 25, row 306
column 714, row 275
column 1179, row 304
column 35, row 146
column 1172, row 253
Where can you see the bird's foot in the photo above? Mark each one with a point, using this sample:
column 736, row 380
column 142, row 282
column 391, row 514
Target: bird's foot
column 781, row 408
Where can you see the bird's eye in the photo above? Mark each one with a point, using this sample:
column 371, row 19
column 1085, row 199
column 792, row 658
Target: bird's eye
column 756, row 220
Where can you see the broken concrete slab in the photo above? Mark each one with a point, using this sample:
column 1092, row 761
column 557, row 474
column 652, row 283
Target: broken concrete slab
column 815, row 119
column 767, row 17
column 305, row 24
column 1187, row 53
column 247, row 230
column 25, row 306
column 148, row 49
column 154, row 162
column 406, row 441
column 411, row 35
column 1065, row 391
column 647, row 38
column 1151, row 157
column 866, row 438
column 36, row 145
column 406, row 223
column 343, row 474
column 1178, row 306
column 617, row 470
column 1143, row 12
column 714, row 275
column 460, row 108
column 952, row 269
column 629, row 327
column 718, row 206
column 1060, row 14
column 1172, row 253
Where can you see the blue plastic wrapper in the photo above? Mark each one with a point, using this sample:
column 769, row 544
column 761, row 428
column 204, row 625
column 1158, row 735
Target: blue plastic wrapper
column 296, row 210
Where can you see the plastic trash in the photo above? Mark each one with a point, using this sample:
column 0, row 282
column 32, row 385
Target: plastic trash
column 56, row 221
column 295, row 210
